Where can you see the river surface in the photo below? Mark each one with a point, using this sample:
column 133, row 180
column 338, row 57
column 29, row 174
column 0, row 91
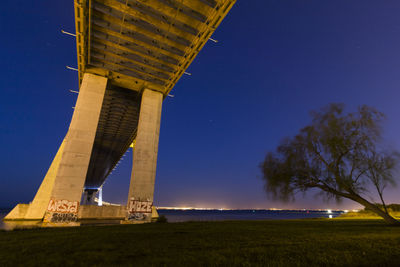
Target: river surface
column 218, row 215
column 227, row 215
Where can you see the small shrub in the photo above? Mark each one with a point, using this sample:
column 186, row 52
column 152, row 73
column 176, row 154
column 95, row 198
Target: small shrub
column 162, row 219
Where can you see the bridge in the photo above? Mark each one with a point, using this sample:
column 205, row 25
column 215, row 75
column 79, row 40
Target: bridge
column 130, row 55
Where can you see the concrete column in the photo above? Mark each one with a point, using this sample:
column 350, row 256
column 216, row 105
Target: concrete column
column 89, row 196
column 70, row 178
column 100, row 202
column 141, row 189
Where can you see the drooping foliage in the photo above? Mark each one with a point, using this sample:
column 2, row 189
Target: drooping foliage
column 339, row 153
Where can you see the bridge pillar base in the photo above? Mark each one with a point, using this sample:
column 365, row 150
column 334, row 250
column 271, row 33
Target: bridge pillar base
column 66, row 195
column 141, row 189
column 18, row 212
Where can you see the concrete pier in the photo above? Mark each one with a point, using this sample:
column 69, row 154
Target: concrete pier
column 141, row 189
column 67, row 192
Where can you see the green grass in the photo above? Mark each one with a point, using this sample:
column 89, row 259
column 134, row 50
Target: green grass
column 365, row 214
column 236, row 243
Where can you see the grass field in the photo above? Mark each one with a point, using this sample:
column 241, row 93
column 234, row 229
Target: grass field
column 363, row 214
column 237, row 243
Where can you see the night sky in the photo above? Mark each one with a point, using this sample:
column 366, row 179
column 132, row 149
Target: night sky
column 275, row 61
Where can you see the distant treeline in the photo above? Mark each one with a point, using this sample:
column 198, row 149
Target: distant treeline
column 390, row 207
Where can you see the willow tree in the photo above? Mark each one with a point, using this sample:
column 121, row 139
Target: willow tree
column 338, row 153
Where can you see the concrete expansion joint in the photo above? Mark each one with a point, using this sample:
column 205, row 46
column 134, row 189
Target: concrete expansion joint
column 106, row 74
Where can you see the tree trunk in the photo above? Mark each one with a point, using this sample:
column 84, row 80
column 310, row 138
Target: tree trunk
column 355, row 197
column 389, row 219
column 383, row 202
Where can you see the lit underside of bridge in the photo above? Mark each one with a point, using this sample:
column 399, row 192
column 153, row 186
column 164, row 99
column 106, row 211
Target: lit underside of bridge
column 136, row 44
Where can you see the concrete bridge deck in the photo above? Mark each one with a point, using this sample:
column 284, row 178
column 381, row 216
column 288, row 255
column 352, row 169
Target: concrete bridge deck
column 144, row 44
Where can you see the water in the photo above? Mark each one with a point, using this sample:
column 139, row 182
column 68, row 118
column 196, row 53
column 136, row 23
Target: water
column 215, row 215
column 224, row 215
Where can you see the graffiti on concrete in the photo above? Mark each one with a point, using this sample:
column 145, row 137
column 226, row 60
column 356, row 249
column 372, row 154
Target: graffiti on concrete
column 62, row 211
column 139, row 210
column 138, row 216
column 63, row 217
column 63, row 206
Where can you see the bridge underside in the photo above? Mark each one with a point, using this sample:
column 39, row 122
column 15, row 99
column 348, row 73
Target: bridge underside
column 116, row 131
column 144, row 43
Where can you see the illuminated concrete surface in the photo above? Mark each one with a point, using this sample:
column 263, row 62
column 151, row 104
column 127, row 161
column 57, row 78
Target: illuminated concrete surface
column 41, row 200
column 146, row 148
column 130, row 54
column 74, row 163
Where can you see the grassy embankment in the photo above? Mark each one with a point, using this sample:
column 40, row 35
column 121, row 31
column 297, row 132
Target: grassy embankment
column 277, row 243
column 365, row 214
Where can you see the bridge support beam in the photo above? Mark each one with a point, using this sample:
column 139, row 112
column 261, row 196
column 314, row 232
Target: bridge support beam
column 65, row 197
column 141, row 189
column 64, row 200
column 59, row 195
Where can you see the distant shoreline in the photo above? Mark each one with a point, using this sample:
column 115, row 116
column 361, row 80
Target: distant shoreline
column 223, row 209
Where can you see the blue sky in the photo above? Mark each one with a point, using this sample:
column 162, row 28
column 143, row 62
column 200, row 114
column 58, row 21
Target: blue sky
column 275, row 61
